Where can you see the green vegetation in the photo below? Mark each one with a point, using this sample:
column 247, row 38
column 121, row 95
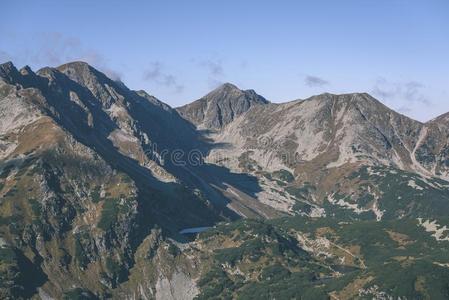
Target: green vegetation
column 80, row 255
column 398, row 255
column 283, row 175
column 6, row 171
column 96, row 194
column 109, row 214
column 247, row 163
column 268, row 254
column 19, row 276
column 216, row 283
column 35, row 207
column 112, row 266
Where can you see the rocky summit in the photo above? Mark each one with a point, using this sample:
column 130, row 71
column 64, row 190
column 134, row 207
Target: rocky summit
column 107, row 192
column 220, row 107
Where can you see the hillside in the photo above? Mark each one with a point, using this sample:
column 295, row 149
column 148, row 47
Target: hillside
column 330, row 197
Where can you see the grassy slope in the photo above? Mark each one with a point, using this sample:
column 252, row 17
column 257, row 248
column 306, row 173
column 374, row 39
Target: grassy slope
column 396, row 258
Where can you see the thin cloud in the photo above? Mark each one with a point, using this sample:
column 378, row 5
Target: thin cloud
column 155, row 73
column 244, row 64
column 4, row 56
column 55, row 48
column 314, row 81
column 410, row 91
column 215, row 71
column 214, row 83
column 405, row 110
column 215, row 67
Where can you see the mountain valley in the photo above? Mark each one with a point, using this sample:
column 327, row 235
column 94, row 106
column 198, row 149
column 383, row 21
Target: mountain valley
column 329, row 197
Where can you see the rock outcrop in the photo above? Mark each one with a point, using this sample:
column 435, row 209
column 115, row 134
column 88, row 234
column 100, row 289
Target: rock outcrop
column 221, row 106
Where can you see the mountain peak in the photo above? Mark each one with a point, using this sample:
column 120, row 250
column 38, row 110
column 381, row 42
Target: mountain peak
column 7, row 65
column 360, row 100
column 9, row 72
column 227, row 86
column 441, row 119
column 221, row 106
column 94, row 80
column 77, row 69
column 26, row 70
column 75, row 64
column 220, row 91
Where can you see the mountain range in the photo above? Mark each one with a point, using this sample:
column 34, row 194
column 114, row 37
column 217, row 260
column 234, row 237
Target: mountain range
column 329, row 197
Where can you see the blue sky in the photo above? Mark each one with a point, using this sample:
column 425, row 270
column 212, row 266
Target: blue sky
column 398, row 51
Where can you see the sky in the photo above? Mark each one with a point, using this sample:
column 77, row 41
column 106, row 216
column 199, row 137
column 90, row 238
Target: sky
column 178, row 51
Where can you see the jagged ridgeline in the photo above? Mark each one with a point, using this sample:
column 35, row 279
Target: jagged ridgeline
column 331, row 197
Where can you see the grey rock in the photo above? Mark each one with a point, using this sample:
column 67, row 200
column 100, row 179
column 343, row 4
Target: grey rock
column 221, row 106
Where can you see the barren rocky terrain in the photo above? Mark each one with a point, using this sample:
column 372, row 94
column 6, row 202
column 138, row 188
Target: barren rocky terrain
column 330, row 197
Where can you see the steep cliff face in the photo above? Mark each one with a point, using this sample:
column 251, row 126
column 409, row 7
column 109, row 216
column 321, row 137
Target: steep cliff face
column 92, row 199
column 221, row 106
column 304, row 152
column 432, row 149
column 338, row 128
column 79, row 190
column 64, row 210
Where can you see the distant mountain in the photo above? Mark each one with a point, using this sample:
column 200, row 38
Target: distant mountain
column 338, row 194
column 221, row 106
column 321, row 141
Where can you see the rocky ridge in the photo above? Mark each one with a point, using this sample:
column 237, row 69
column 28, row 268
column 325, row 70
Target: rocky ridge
column 91, row 205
